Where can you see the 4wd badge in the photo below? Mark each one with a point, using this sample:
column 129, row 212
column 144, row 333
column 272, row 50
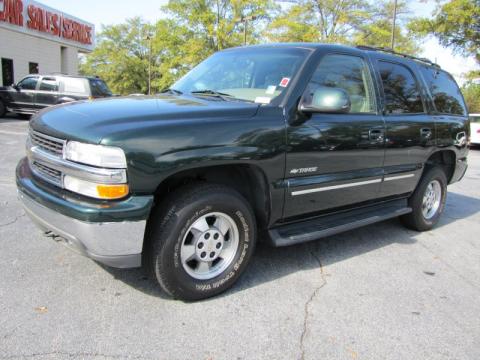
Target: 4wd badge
column 304, row 170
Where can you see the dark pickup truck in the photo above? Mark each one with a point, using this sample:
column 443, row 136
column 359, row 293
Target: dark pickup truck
column 36, row 92
column 283, row 143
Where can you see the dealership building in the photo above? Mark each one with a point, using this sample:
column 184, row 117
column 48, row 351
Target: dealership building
column 35, row 38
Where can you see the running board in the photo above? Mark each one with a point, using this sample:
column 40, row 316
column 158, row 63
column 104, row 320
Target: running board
column 327, row 225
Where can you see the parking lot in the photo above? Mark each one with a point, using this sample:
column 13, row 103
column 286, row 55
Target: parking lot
column 381, row 292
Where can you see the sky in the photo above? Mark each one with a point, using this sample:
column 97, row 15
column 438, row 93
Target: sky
column 107, row 12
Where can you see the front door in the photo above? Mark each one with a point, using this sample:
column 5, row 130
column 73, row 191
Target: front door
column 23, row 97
column 336, row 160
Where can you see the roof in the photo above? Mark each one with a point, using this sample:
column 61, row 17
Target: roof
column 337, row 47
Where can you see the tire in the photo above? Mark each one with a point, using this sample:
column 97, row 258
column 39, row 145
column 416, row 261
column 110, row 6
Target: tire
column 421, row 219
column 3, row 109
column 184, row 226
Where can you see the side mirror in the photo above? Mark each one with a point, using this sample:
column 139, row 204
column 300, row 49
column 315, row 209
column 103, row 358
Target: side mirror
column 325, row 100
column 15, row 86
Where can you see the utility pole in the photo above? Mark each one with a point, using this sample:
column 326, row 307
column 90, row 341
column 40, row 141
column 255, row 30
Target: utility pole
column 394, row 23
column 149, row 38
column 245, row 20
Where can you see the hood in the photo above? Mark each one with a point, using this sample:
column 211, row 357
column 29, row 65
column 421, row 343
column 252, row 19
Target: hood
column 91, row 121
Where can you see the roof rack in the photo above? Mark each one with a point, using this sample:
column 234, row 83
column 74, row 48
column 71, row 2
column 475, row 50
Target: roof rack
column 391, row 51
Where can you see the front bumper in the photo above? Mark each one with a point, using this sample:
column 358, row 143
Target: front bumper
column 110, row 234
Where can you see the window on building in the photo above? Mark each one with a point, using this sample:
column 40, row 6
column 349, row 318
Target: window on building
column 445, row 92
column 7, row 72
column 29, row 83
column 49, row 84
column 33, row 68
column 400, row 88
column 349, row 73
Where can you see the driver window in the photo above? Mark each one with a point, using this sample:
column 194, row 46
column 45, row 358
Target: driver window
column 29, row 83
column 349, row 73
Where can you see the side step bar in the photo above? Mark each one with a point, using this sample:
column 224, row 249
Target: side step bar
column 327, row 225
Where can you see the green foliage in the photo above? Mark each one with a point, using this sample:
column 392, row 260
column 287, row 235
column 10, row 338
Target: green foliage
column 377, row 30
column 121, row 57
column 194, row 29
column 456, row 24
column 471, row 93
column 330, row 21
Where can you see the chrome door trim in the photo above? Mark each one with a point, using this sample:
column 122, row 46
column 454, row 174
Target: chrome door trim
column 334, row 187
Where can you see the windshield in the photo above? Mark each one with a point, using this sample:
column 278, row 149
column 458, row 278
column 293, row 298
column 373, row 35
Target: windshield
column 254, row 74
column 99, row 88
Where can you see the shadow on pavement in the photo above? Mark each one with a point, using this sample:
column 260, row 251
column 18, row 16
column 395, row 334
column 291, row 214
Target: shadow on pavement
column 269, row 264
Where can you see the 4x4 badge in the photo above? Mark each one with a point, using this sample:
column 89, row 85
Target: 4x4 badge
column 304, row 170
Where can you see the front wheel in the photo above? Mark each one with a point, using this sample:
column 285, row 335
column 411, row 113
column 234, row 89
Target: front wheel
column 427, row 201
column 3, row 109
column 201, row 241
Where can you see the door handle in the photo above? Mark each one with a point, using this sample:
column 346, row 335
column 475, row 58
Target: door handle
column 376, row 135
column 426, row 133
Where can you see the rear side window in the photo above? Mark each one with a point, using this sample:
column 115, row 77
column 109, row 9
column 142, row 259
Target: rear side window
column 349, row 73
column 48, row 84
column 475, row 119
column 99, row 88
column 445, row 92
column 75, row 85
column 402, row 94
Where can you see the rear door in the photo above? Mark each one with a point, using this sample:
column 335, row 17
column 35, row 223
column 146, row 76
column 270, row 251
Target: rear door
column 23, row 98
column 47, row 94
column 336, row 160
column 410, row 128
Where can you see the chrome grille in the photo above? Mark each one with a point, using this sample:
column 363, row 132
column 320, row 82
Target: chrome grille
column 47, row 143
column 50, row 174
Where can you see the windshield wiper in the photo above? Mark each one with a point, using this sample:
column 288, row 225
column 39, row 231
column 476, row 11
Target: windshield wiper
column 212, row 93
column 171, row 91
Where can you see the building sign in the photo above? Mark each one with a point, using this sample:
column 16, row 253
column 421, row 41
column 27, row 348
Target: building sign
column 33, row 18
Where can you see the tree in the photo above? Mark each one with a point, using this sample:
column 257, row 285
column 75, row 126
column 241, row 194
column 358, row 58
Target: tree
column 327, row 21
column 456, row 24
column 354, row 22
column 121, row 57
column 471, row 93
column 377, row 31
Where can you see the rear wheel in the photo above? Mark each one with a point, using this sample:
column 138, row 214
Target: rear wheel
column 427, row 201
column 24, row 116
column 3, row 109
column 201, row 241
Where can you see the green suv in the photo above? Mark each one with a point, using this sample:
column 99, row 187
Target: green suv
column 282, row 143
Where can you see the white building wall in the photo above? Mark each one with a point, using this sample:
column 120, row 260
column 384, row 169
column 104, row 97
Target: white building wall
column 24, row 48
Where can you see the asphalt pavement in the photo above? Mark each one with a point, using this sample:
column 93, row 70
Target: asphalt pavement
column 380, row 292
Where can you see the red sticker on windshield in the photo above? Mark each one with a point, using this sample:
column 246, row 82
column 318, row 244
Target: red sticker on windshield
column 284, row 82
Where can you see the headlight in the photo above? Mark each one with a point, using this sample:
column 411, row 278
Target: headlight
column 96, row 155
column 98, row 191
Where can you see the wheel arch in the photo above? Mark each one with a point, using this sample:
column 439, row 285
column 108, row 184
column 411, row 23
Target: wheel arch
column 445, row 159
column 249, row 180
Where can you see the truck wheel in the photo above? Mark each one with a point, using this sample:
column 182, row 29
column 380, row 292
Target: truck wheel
column 427, row 201
column 3, row 109
column 201, row 241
